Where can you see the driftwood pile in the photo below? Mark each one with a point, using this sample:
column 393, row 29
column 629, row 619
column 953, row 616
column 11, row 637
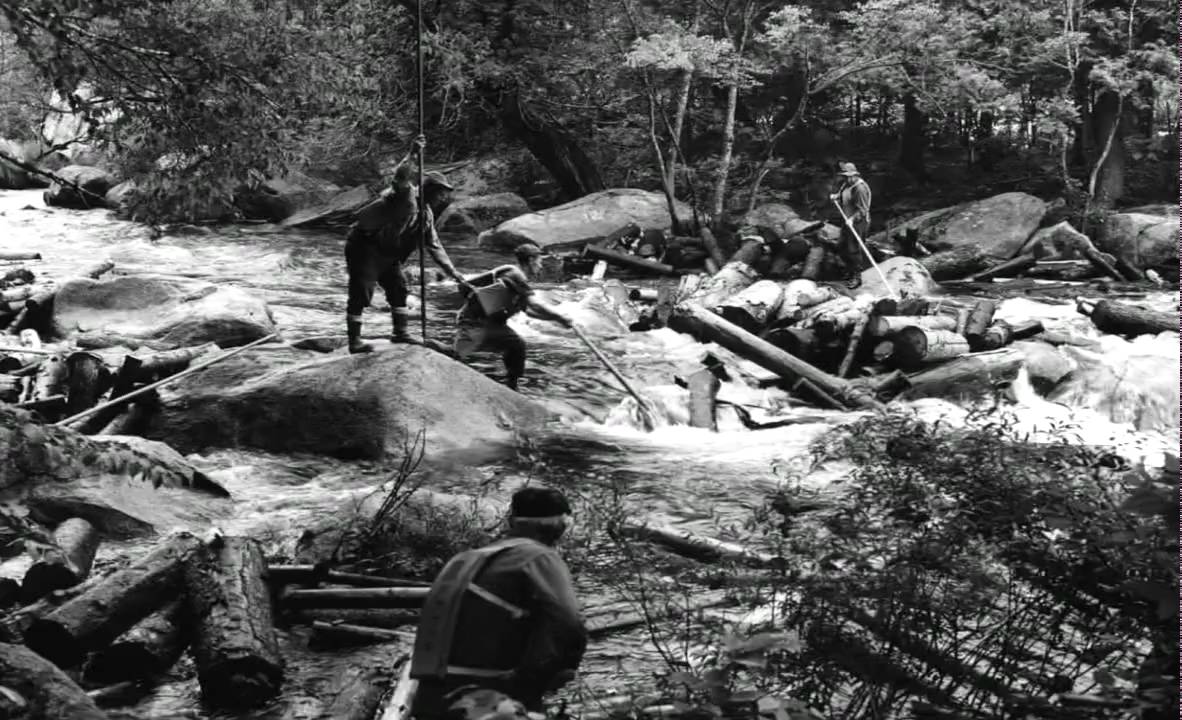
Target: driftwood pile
column 118, row 632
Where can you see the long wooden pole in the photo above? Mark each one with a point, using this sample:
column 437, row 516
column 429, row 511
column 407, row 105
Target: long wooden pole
column 866, row 250
column 160, row 383
column 422, row 199
column 645, row 412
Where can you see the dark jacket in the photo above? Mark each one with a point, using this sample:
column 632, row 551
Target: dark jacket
column 462, row 630
column 854, row 198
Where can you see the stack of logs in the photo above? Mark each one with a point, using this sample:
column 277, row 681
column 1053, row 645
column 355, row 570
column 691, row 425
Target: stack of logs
column 219, row 600
column 59, row 380
column 812, row 337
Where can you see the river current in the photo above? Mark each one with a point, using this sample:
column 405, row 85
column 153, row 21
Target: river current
column 1121, row 392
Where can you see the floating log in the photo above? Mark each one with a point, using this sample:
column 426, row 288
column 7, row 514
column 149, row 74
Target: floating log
column 88, row 379
column 610, row 622
column 752, row 308
column 814, row 262
column 170, row 362
column 703, row 391
column 966, row 374
column 316, row 574
column 42, row 691
column 698, row 547
column 124, row 383
column 979, row 319
column 855, row 341
column 647, row 295
column 1128, row 320
column 150, row 648
column 399, row 597
column 915, row 346
column 14, row 256
column 1009, row 268
column 631, row 262
column 957, row 263
column 327, row 634
column 403, row 696
column 996, row 336
column 885, row 325
column 1025, row 330
column 367, row 617
column 234, row 643
column 113, row 605
column 77, row 542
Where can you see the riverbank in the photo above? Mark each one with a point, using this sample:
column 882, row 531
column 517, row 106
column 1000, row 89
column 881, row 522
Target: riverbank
column 693, row 479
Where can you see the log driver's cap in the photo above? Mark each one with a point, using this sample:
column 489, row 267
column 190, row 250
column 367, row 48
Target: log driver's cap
column 539, row 505
column 437, row 179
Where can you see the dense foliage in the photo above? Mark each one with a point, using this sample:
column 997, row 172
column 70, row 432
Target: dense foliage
column 711, row 100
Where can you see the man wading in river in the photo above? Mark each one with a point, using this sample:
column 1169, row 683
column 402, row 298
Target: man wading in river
column 386, row 233
column 501, row 293
column 503, row 617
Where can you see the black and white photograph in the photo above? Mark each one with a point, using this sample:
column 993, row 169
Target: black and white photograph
column 589, row 359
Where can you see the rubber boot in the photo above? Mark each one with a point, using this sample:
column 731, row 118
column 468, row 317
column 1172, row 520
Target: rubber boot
column 511, row 382
column 398, row 321
column 356, row 344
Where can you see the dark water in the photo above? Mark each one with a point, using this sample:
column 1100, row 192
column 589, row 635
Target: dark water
column 1120, row 392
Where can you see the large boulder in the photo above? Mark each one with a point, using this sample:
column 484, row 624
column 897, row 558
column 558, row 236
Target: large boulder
column 94, row 183
column 278, row 198
column 584, row 220
column 124, row 486
column 349, row 406
column 13, row 177
column 1147, row 237
column 119, row 197
column 906, row 276
column 477, row 214
column 158, row 311
column 1058, row 242
column 1000, row 224
column 1047, row 365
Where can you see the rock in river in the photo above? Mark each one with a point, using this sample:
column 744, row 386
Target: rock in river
column 1000, row 225
column 348, row 406
column 159, row 311
column 123, row 486
column 95, row 182
column 580, row 221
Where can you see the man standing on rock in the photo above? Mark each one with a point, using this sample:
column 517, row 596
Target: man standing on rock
column 853, row 195
column 503, row 617
column 483, row 322
column 386, row 233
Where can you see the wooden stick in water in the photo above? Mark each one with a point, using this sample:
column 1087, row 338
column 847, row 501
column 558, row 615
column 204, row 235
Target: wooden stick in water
column 646, row 413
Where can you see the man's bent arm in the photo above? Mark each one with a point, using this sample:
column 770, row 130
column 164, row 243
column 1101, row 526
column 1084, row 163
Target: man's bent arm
column 558, row 638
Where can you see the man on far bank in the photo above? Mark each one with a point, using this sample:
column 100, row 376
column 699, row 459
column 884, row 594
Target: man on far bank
column 853, row 196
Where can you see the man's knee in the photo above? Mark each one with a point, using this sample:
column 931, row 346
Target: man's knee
column 360, row 296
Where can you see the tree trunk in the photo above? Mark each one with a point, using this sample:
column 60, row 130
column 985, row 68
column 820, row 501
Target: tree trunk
column 78, row 542
column 1085, row 137
column 44, row 691
column 113, row 605
column 234, row 647
column 681, row 103
column 728, row 150
column 914, row 141
column 558, row 152
column 915, row 346
column 150, row 648
column 1109, row 125
column 967, row 374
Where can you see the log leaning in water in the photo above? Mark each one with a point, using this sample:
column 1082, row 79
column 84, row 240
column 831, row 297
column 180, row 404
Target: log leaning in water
column 77, row 542
column 44, row 691
column 967, row 374
column 979, row 319
column 234, row 643
column 697, row 547
column 150, row 648
column 113, row 605
column 708, row 327
column 1128, row 320
column 703, row 391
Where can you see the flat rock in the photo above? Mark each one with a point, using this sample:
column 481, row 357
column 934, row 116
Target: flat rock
column 350, row 406
column 584, row 220
column 165, row 312
column 1001, row 224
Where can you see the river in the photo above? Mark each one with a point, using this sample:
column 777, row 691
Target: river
column 1121, row 392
